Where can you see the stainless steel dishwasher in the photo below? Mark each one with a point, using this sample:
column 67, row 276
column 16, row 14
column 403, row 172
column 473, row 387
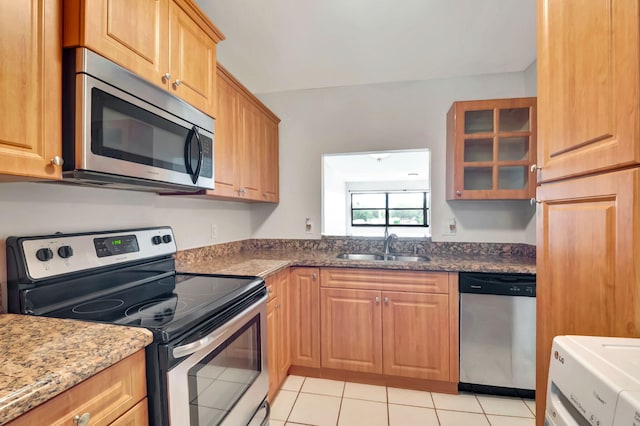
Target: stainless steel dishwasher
column 498, row 333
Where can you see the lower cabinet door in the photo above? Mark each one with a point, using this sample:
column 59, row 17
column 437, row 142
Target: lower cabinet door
column 350, row 326
column 272, row 347
column 304, row 317
column 415, row 335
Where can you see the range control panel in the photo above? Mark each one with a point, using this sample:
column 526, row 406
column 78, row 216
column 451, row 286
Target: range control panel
column 53, row 255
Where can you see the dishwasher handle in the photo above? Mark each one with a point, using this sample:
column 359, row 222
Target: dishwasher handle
column 498, row 284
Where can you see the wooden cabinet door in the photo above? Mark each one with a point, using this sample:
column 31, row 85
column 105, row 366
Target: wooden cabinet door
column 226, row 137
column 415, row 335
column 30, row 88
column 192, row 61
column 305, row 317
column 248, row 157
column 587, row 246
column 588, row 85
column 351, row 324
column 284, row 346
column 272, row 347
column 491, row 146
column 132, row 34
column 269, row 160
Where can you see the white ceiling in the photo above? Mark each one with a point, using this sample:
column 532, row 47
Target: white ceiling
column 280, row 45
column 400, row 166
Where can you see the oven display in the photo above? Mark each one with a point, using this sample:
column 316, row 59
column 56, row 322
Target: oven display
column 112, row 246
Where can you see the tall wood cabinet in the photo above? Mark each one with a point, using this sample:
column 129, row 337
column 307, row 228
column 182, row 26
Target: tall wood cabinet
column 588, row 239
column 588, row 83
column 246, row 145
column 30, row 89
column 170, row 43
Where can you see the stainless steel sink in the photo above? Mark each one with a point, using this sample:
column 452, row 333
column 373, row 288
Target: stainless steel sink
column 401, row 258
column 360, row 256
column 388, row 257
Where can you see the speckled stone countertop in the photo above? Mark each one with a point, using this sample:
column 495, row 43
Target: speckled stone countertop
column 266, row 262
column 42, row 357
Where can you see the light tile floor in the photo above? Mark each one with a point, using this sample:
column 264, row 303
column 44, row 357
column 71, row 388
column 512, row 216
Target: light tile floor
column 320, row 402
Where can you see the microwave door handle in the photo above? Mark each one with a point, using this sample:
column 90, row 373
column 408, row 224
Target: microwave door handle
column 196, row 174
column 193, row 132
column 187, row 152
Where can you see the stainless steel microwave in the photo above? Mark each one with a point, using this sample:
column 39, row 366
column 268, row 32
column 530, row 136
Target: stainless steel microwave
column 122, row 132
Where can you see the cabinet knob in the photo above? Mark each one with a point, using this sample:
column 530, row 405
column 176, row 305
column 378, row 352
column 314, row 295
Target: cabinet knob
column 534, row 167
column 57, row 161
column 377, row 299
column 314, row 276
column 177, row 83
column 166, row 76
column 533, row 201
column 458, row 193
column 82, row 420
column 241, row 191
column 386, row 300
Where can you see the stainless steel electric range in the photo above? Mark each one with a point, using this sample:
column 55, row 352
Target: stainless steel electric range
column 207, row 364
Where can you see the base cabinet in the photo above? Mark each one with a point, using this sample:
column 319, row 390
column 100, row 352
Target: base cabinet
column 115, row 396
column 278, row 341
column 393, row 333
column 305, row 317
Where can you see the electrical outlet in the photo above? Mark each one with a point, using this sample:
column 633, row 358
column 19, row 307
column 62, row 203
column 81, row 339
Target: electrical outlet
column 214, row 231
column 307, row 225
column 450, row 227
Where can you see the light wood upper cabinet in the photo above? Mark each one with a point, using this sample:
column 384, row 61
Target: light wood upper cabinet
column 170, row 43
column 192, row 60
column 304, row 317
column 30, row 89
column 588, row 85
column 587, row 267
column 116, row 396
column 491, row 146
column 226, row 137
column 269, row 167
column 246, row 145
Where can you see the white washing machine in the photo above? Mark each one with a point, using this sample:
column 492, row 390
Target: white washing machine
column 594, row 381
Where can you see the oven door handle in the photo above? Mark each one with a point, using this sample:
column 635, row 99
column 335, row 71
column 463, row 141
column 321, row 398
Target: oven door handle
column 194, row 347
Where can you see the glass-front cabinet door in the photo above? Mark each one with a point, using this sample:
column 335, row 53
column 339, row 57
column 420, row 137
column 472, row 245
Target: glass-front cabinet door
column 491, row 146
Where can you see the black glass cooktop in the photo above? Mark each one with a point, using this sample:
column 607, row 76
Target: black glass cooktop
column 169, row 306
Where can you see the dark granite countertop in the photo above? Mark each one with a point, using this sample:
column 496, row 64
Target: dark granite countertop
column 268, row 261
column 42, row 357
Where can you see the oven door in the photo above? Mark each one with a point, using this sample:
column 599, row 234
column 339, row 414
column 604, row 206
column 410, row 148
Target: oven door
column 224, row 378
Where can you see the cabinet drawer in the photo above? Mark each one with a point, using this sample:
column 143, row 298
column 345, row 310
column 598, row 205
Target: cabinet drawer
column 137, row 416
column 105, row 396
column 392, row 280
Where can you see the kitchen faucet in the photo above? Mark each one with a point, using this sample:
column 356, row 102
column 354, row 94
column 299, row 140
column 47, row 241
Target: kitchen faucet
column 388, row 238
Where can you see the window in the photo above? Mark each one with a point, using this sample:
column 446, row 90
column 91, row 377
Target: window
column 389, row 209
